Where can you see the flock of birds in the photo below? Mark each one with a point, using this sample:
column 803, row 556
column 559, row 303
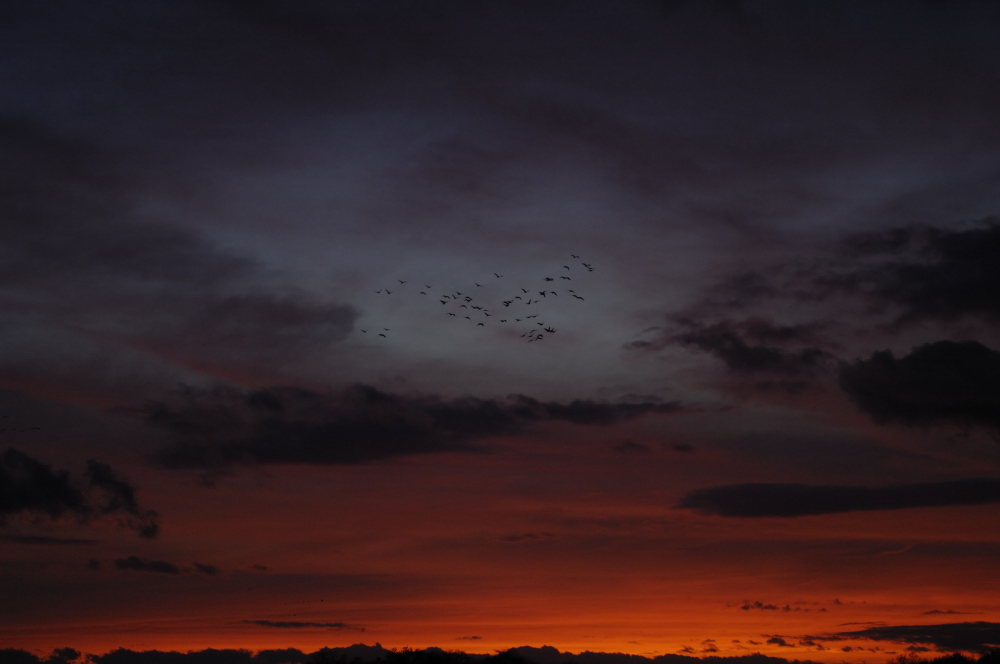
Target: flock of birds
column 472, row 305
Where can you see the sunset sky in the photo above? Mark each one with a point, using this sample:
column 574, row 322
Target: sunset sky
column 637, row 326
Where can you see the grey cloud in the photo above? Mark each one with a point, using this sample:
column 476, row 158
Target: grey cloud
column 753, row 347
column 82, row 260
column 214, row 429
column 30, row 486
column 791, row 500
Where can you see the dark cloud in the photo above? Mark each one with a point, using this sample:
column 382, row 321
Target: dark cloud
column 939, row 612
column 42, row 539
column 294, row 624
column 30, row 486
column 684, row 448
column 942, row 382
column 211, row 570
column 790, row 500
column 931, row 273
column 778, row 641
column 630, row 447
column 751, row 346
column 213, row 429
column 119, row 496
column 978, row 637
column 137, row 564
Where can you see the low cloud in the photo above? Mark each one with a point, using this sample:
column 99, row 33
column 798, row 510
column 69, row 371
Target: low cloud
column 790, row 500
column 210, row 570
column 28, row 486
column 942, row 382
column 137, row 564
column 976, row 637
column 294, row 624
column 282, row 425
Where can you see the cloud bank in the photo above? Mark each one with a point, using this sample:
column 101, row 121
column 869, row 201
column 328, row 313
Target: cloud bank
column 791, row 500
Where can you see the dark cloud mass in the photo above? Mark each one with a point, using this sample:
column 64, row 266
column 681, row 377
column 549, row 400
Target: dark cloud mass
column 942, row 382
column 137, row 564
column 932, row 273
column 790, row 500
column 30, row 486
column 968, row 636
column 217, row 428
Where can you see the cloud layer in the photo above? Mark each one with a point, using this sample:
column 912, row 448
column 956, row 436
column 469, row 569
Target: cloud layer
column 214, row 429
column 791, row 500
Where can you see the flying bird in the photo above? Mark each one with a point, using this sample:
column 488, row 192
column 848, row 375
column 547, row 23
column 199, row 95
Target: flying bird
column 478, row 285
column 566, row 278
column 400, row 281
column 542, row 293
column 443, row 302
column 549, row 330
column 378, row 291
column 573, row 256
column 382, row 335
column 566, row 266
column 479, row 324
column 549, row 279
column 524, row 290
column 423, row 293
column 386, row 329
column 467, row 318
column 450, row 314
column 388, row 292
column 497, row 275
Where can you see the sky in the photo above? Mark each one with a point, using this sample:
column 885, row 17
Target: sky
column 652, row 327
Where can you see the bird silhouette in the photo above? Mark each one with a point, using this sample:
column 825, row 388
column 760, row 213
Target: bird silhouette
column 503, row 320
column 549, row 279
column 467, row 318
column 578, row 297
column 573, row 256
column 365, row 331
column 549, row 330
column 542, row 293
column 497, row 275
column 388, row 292
column 566, row 266
column 450, row 314
column 478, row 285
column 423, row 293
column 400, row 281
column 479, row 324
column 382, row 335
column 463, row 306
column 524, row 290
column 443, row 302
column 386, row 329
column 566, row 278
column 378, row 291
